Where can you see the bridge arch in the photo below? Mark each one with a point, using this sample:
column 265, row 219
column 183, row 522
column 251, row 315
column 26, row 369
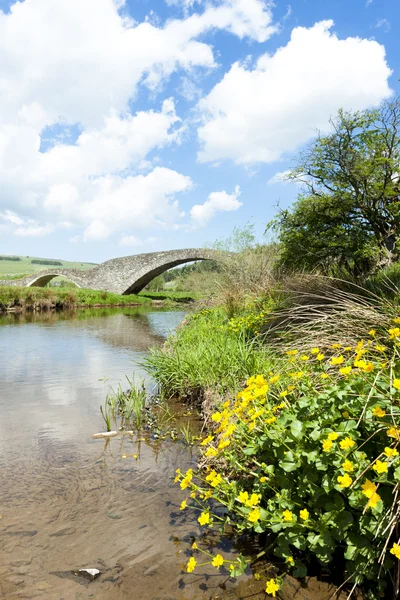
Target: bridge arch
column 144, row 279
column 40, row 280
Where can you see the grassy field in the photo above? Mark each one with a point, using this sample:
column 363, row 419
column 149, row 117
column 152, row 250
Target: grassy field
column 24, row 266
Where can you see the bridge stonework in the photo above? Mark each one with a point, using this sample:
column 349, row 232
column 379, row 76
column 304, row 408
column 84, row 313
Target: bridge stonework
column 126, row 275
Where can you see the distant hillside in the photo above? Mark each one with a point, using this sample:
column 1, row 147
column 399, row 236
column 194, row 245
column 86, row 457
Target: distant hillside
column 16, row 265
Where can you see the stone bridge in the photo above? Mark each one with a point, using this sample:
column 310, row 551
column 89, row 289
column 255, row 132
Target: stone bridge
column 126, row 275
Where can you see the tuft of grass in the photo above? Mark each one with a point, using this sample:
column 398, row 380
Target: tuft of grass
column 204, row 354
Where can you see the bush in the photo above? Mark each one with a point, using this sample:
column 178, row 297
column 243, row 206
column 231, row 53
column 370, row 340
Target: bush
column 308, row 452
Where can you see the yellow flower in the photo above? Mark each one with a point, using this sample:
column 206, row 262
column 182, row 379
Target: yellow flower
column 207, row 440
column 377, row 411
column 274, row 379
column 326, row 445
column 344, row 480
column 380, row 467
column 393, row 432
column 253, row 500
column 333, row 436
column 324, row 376
column 336, row 346
column 270, row 420
column 183, row 504
column 292, row 352
column 195, row 546
column 391, row 452
column 243, row 497
column 254, row 515
column 348, row 466
column 368, row 488
column 257, row 576
column 320, row 356
column 204, row 518
column 287, row 515
column 272, row 587
column 283, row 394
column 211, row 452
column 186, row 481
column 191, row 564
column 368, row 368
column 395, row 550
column 347, row 443
column 374, row 499
column 216, row 417
column 315, row 351
column 396, row 384
column 346, row 414
column 304, row 514
column 263, row 479
column 223, row 444
column 380, row 348
column 372, row 332
column 396, row 320
column 394, row 333
column 217, row 561
column 305, row 357
column 290, row 560
column 337, row 360
column 345, row 370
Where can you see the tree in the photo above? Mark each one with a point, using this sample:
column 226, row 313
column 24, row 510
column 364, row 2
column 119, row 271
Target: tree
column 348, row 212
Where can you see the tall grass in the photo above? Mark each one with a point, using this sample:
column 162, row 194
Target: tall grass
column 205, row 354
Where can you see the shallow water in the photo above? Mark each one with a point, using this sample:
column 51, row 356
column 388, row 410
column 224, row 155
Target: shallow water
column 68, row 501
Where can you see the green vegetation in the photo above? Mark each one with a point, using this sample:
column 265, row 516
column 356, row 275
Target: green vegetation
column 10, row 266
column 172, row 295
column 301, row 398
column 36, row 298
column 347, row 215
column 47, row 262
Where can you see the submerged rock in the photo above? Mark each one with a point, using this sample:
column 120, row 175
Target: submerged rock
column 105, row 434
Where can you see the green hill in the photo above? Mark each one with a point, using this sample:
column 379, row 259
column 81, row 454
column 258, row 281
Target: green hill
column 23, row 265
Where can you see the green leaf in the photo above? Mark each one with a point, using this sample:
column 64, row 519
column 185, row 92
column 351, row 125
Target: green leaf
column 296, row 429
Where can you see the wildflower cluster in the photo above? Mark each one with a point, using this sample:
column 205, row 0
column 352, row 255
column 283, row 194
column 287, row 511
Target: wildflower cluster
column 310, row 452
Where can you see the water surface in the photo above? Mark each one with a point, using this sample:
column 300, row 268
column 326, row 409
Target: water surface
column 68, row 501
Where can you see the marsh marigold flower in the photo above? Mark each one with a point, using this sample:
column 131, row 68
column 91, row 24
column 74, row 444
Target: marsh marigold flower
column 368, row 488
column 344, row 480
column 304, row 514
column 337, row 360
column 396, row 384
column 204, row 518
column 393, row 432
column 272, row 587
column 327, row 445
column 395, row 550
column 373, row 501
column 380, row 467
column 345, row 370
column 315, row 351
column 347, row 443
column 377, row 411
column 217, row 561
column 348, row 466
column 320, row 356
column 254, row 515
column 207, row 440
column 391, row 452
column 333, row 436
column 183, row 504
column 287, row 515
column 191, row 564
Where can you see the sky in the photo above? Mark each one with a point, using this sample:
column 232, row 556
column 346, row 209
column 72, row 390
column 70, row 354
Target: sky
column 144, row 125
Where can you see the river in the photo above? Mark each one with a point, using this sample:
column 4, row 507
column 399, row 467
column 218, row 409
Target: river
column 70, row 502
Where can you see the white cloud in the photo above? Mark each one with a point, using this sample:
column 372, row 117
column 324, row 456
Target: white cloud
column 384, row 24
column 215, row 203
column 78, row 66
column 280, row 177
column 258, row 114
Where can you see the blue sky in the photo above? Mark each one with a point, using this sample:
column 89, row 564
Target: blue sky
column 145, row 125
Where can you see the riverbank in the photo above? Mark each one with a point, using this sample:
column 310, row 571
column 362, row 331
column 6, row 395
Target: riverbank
column 38, row 299
column 301, row 431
